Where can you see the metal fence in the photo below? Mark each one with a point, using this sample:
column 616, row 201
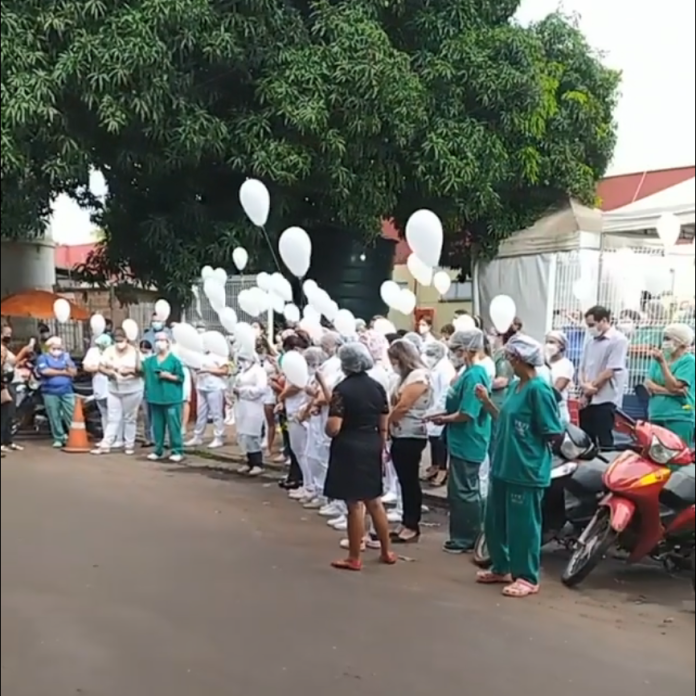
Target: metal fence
column 201, row 310
column 644, row 288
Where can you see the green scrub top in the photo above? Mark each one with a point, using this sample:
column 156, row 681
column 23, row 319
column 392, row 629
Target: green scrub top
column 502, row 369
column 647, row 337
column 529, row 416
column 674, row 407
column 469, row 440
column 163, row 392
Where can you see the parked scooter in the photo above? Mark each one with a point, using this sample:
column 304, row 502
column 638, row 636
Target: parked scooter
column 649, row 510
column 575, row 491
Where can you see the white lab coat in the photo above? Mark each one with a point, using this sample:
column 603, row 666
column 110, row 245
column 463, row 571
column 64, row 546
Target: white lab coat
column 441, row 377
column 252, row 384
column 318, row 442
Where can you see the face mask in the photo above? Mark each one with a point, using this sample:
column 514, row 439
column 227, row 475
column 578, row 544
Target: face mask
column 430, row 361
column 157, row 325
column 593, row 331
column 423, row 329
column 456, row 360
column 121, row 345
column 161, row 346
column 626, row 327
column 56, row 352
column 551, row 350
column 668, row 346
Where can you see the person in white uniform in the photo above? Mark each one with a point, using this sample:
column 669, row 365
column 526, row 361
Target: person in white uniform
column 562, row 369
column 250, row 390
column 122, row 365
column 100, row 382
column 211, row 385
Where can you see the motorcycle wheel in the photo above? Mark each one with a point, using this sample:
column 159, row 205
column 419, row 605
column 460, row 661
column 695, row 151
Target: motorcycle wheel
column 481, row 557
column 600, row 537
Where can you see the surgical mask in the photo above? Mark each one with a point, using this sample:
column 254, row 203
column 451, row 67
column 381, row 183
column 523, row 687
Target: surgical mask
column 456, row 360
column 121, row 345
column 593, row 331
column 161, row 346
column 423, row 329
column 551, row 350
column 668, row 346
column 627, row 328
column 56, row 352
column 157, row 325
column 430, row 361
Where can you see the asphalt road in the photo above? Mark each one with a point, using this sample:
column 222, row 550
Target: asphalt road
column 120, row 578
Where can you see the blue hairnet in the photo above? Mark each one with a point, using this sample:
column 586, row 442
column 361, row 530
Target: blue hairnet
column 355, row 358
column 469, row 340
column 103, row 341
column 526, row 349
column 414, row 339
column 315, row 357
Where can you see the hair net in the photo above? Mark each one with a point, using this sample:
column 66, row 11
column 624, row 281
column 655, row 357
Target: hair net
column 559, row 337
column 681, row 334
column 360, row 325
column 103, row 341
column 331, row 341
column 376, row 344
column 414, row 339
column 470, row 340
column 435, row 350
column 315, row 357
column 355, row 358
column 526, row 349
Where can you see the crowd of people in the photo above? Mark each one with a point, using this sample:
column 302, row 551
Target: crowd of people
column 487, row 407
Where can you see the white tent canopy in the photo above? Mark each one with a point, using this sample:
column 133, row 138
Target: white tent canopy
column 680, row 200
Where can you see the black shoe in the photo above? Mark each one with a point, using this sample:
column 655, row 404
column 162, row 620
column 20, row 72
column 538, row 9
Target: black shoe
column 289, row 484
column 145, row 445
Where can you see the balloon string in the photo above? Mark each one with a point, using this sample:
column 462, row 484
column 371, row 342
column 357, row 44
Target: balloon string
column 272, row 250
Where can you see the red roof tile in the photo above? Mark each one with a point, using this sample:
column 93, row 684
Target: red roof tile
column 68, row 256
column 617, row 191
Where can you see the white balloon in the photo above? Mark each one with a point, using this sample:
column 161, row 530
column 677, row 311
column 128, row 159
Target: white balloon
column 344, row 322
column 668, row 230
column 295, row 249
column 264, row 281
column 190, row 358
column 228, row 318
column 320, row 300
column 295, row 369
column 256, row 201
column 312, row 327
column 162, row 310
column 220, row 276
column 61, row 310
column 214, row 342
column 406, row 302
column 277, row 302
column 464, row 323
column 97, row 324
column 502, row 312
column 291, row 313
column 244, row 338
column 247, row 302
column 331, row 310
column 312, row 314
column 389, row 292
column 424, row 237
column 419, row 270
column 309, row 287
column 130, row 328
column 261, row 299
column 187, row 336
column 207, row 272
column 281, row 286
column 384, row 326
column 442, row 282
column 240, row 258
column 215, row 293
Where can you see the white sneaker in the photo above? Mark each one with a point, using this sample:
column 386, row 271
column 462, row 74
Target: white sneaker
column 100, row 450
column 193, row 442
column 390, row 499
column 176, row 458
column 314, row 504
column 395, row 516
column 297, row 494
column 216, row 444
column 308, row 497
column 153, row 457
column 118, row 445
column 255, row 471
column 130, row 452
column 341, row 525
column 330, row 510
column 336, row 520
column 244, row 469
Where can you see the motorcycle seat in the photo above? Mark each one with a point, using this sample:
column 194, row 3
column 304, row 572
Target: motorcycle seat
column 680, row 490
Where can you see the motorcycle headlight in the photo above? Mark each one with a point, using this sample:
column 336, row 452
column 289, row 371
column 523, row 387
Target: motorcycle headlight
column 659, row 453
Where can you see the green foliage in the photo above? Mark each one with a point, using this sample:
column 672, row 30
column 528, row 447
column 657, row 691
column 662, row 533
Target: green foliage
column 349, row 110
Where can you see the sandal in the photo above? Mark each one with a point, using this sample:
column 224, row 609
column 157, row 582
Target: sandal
column 519, row 589
column 440, row 479
column 430, row 473
column 347, row 564
column 388, row 558
column 396, row 538
column 488, row 577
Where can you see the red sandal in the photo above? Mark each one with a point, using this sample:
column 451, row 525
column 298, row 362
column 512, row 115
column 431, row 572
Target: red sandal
column 347, row 564
column 388, row 558
column 520, row 589
column 488, row 577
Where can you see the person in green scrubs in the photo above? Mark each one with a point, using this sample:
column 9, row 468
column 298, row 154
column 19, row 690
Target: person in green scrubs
column 164, row 389
column 643, row 340
column 671, row 383
column 468, row 434
column 528, row 422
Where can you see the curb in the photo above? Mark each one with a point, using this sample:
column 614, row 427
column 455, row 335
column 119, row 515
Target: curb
column 274, row 472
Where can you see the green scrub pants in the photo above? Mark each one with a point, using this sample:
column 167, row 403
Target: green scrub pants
column 513, row 529
column 684, row 429
column 167, row 418
column 59, row 411
column 465, row 504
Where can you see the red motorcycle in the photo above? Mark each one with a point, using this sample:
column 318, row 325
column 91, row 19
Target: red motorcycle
column 649, row 509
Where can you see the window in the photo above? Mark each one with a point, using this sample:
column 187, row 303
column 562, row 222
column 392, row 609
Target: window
column 459, row 292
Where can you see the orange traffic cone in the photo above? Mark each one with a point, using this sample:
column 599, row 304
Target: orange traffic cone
column 77, row 437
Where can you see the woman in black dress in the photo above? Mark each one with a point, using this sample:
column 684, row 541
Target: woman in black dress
column 357, row 424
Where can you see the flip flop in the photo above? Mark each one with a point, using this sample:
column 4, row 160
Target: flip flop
column 388, row 558
column 347, row 564
column 519, row 589
column 488, row 577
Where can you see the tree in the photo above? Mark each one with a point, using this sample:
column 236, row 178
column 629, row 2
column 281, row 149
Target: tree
column 350, row 110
